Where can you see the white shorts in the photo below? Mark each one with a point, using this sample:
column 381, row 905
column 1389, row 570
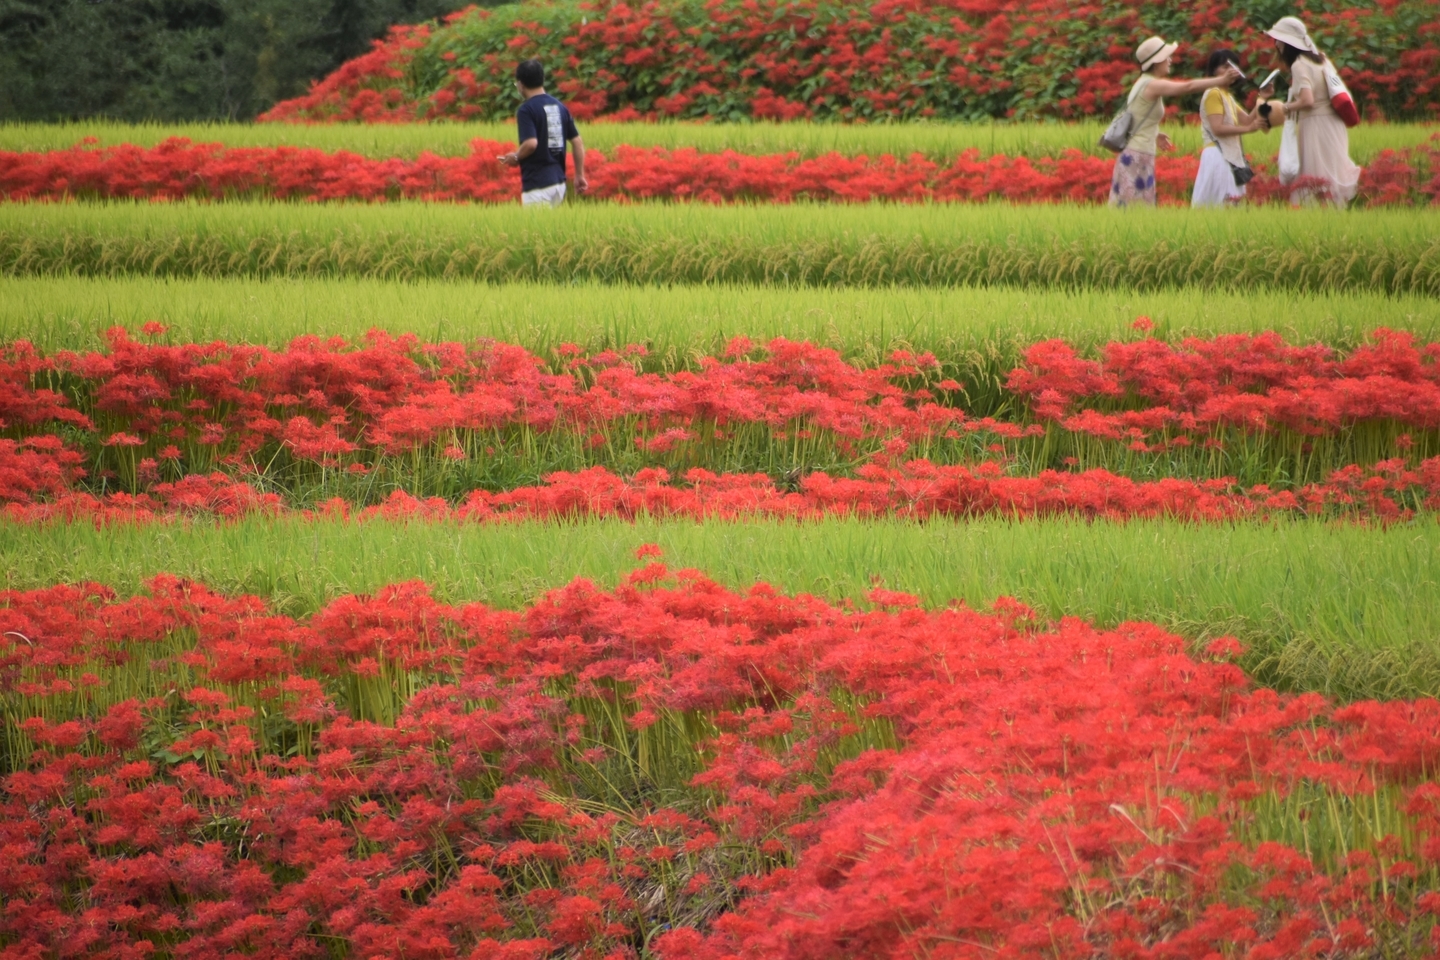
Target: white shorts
column 544, row 197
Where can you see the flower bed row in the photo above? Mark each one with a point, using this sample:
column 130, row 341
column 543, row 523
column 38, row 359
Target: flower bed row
column 690, row 771
column 843, row 60
column 327, row 400
column 177, row 168
column 1259, row 382
column 34, row 488
column 393, row 411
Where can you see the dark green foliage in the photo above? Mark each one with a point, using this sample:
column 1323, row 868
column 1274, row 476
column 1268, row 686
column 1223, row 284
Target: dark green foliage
column 180, row 59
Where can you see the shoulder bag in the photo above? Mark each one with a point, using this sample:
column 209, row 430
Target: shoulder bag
column 1340, row 100
column 1241, row 171
column 1117, row 136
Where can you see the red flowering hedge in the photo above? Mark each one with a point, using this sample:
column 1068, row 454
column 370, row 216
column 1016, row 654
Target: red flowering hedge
column 178, row 169
column 682, row 769
column 828, row 60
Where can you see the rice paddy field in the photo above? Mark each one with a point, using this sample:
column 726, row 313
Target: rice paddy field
column 684, row 581
column 679, row 322
column 1388, row 251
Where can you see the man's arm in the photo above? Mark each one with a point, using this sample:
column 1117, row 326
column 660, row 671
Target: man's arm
column 528, row 147
column 529, row 139
column 581, row 184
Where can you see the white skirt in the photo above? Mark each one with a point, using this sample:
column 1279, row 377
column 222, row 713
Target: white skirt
column 1215, row 183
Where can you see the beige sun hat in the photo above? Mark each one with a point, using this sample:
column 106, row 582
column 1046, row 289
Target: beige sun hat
column 1154, row 50
column 1292, row 31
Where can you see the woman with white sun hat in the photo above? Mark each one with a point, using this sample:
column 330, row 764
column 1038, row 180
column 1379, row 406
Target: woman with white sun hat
column 1133, row 181
column 1323, row 139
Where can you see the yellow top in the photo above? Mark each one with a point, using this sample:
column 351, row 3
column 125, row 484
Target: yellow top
column 1217, row 100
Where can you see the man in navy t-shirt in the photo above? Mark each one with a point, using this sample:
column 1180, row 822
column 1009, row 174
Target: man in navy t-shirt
column 545, row 129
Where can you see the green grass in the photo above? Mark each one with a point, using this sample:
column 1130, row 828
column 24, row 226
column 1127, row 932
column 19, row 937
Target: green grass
column 1341, row 609
column 875, row 245
column 72, row 313
column 936, row 140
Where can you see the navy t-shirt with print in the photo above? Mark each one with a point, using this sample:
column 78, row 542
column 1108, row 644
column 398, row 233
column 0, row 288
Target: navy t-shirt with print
column 547, row 120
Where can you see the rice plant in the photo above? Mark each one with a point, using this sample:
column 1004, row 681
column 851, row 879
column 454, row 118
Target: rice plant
column 865, row 246
column 676, row 323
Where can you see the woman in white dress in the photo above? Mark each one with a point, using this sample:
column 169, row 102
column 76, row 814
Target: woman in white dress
column 1323, row 138
column 1222, row 123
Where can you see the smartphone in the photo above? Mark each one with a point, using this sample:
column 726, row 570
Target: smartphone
column 1270, row 79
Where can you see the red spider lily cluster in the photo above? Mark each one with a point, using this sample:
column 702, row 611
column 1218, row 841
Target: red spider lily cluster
column 142, row 428
column 678, row 767
column 1179, row 392
column 1387, row 492
column 177, row 169
column 836, row 60
column 328, row 402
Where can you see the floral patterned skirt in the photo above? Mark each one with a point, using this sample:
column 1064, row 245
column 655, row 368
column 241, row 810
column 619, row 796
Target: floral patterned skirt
column 1134, row 179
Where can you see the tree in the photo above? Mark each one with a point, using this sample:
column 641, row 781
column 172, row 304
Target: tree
column 180, row 59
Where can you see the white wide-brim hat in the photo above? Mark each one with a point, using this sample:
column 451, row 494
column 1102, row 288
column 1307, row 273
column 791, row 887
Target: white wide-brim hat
column 1154, row 50
column 1292, row 31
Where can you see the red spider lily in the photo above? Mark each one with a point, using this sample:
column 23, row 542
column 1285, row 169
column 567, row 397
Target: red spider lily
column 157, row 420
column 178, row 169
column 321, row 402
column 1256, row 383
column 918, row 489
column 838, row 782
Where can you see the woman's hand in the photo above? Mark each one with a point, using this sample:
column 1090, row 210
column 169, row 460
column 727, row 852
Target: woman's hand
column 1164, row 142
